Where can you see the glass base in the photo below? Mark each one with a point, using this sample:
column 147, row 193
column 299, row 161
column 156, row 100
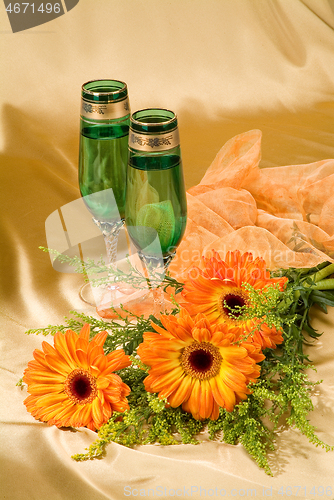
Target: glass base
column 89, row 295
column 106, row 297
column 97, row 296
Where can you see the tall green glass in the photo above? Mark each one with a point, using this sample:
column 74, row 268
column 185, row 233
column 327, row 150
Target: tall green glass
column 104, row 131
column 156, row 204
column 103, row 157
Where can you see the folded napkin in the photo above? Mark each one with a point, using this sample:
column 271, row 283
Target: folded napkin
column 284, row 214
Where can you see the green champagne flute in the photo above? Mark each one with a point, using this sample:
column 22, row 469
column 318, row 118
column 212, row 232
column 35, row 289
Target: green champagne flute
column 103, row 158
column 156, row 206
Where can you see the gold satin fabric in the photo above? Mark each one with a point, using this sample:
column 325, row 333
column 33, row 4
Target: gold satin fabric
column 225, row 67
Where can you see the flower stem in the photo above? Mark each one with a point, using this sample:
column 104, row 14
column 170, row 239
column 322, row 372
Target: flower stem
column 319, row 281
column 323, row 285
column 323, row 273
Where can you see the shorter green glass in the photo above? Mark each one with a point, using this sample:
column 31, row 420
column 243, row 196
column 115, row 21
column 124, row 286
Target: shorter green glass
column 156, row 207
column 155, row 191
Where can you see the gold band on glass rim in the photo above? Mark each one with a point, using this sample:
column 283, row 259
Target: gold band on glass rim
column 153, row 142
column 104, row 93
column 147, row 124
column 105, row 110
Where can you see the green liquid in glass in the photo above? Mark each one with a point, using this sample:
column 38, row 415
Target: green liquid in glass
column 102, row 165
column 156, row 201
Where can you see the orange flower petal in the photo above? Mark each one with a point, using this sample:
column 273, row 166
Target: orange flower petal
column 85, row 331
column 194, row 400
column 81, row 355
column 182, row 393
column 206, row 400
column 100, row 338
column 226, row 393
column 97, row 413
column 61, row 347
column 102, row 383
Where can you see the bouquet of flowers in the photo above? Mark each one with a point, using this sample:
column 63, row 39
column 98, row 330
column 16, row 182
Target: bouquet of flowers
column 228, row 359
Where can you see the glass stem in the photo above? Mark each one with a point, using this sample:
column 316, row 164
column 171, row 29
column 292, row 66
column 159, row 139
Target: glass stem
column 157, row 266
column 110, row 231
column 159, row 306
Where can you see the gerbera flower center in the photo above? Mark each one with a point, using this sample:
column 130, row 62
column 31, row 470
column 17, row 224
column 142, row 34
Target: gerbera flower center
column 230, row 303
column 201, row 360
column 80, row 386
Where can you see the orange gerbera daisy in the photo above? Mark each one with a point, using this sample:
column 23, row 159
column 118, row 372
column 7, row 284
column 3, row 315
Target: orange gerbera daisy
column 195, row 364
column 73, row 384
column 216, row 290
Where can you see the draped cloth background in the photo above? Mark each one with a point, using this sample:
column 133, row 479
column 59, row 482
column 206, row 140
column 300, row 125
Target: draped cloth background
column 284, row 214
column 225, row 68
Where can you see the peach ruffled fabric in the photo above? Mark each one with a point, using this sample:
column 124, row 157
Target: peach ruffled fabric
column 284, row 215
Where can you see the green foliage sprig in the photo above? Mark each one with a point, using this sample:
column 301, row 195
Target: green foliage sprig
column 113, row 274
